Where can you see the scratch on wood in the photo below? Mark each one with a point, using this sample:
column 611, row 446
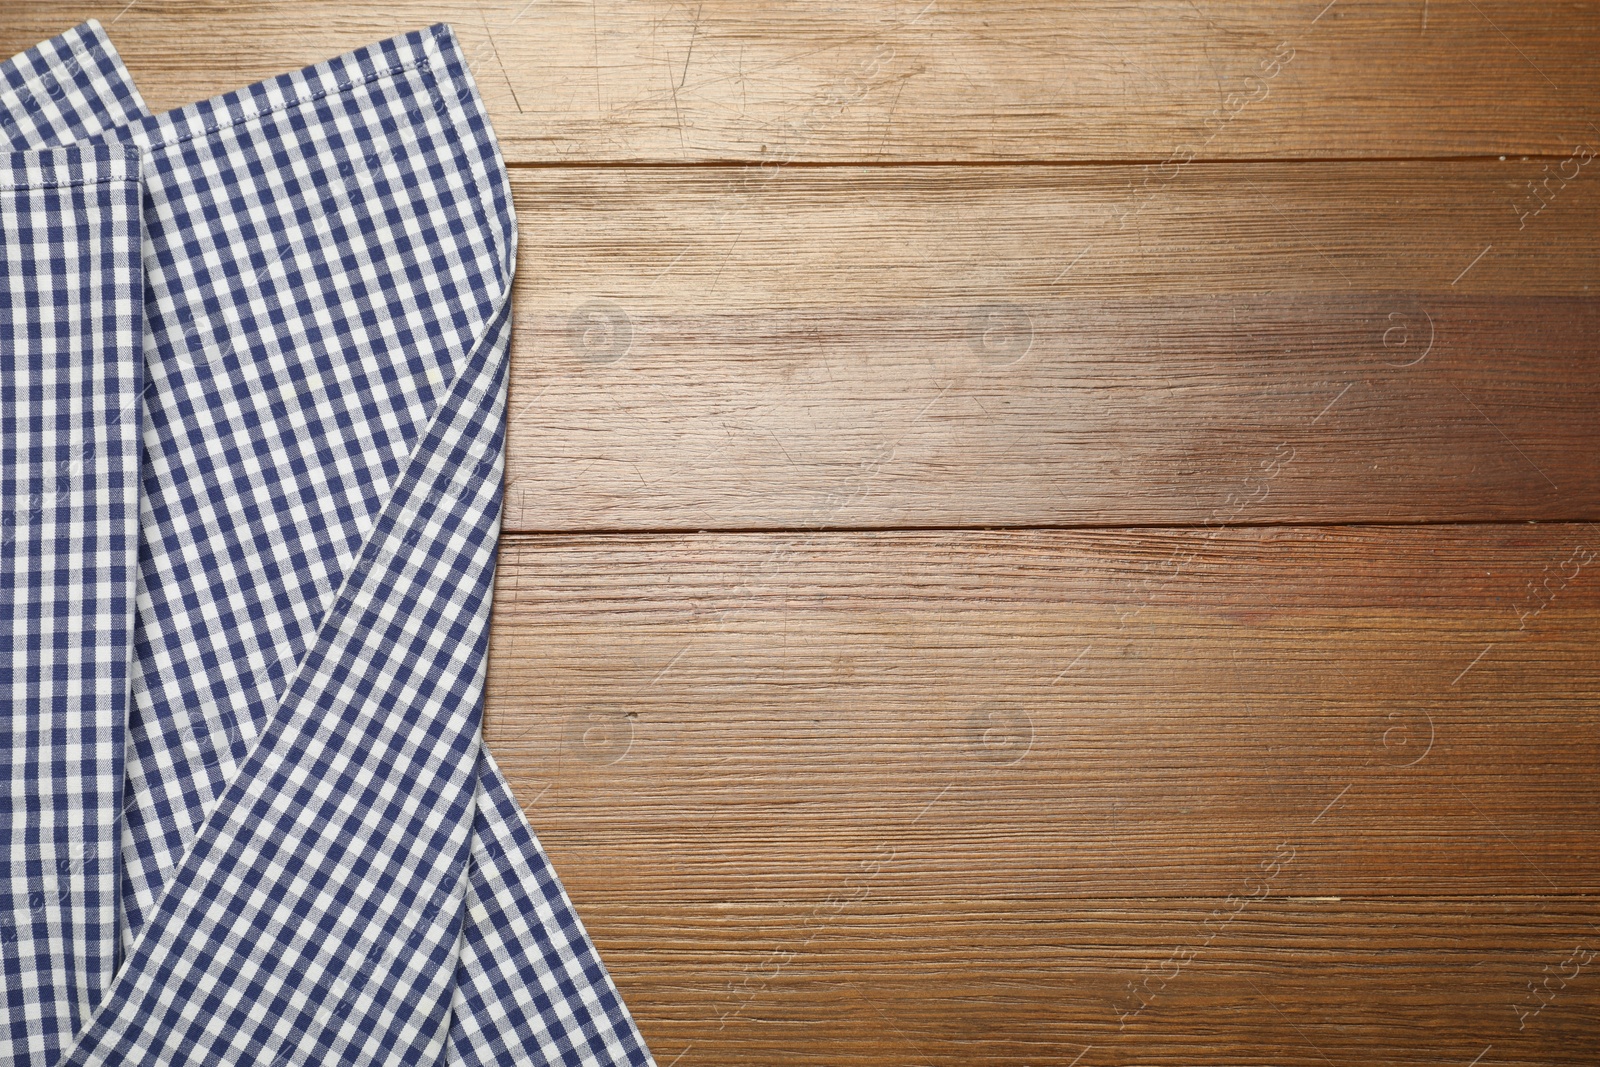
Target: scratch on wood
column 1280, row 1011
column 888, row 123
column 1513, row 44
column 495, row 48
column 694, row 33
column 673, row 85
column 931, row 803
column 1331, row 803
column 1071, row 665
column 1074, row 263
column 1474, row 262
column 731, row 249
column 1473, row 664
column 663, row 672
column 1496, row 828
column 1502, row 433
column 1332, row 402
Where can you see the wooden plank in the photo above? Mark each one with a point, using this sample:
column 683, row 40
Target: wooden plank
column 694, row 719
column 861, row 347
column 1093, row 983
column 912, row 80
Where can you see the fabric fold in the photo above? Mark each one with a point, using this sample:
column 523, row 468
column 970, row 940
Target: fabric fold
column 319, row 861
column 65, row 89
column 70, row 377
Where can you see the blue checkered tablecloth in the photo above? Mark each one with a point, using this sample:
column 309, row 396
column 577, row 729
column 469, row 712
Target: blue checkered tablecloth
column 252, row 381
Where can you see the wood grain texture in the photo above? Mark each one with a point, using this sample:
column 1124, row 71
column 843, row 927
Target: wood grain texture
column 1284, row 980
column 1180, row 768
column 1055, row 714
column 718, row 348
column 914, row 80
column 946, row 794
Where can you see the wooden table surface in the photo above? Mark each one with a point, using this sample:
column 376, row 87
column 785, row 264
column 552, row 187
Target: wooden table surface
column 1042, row 533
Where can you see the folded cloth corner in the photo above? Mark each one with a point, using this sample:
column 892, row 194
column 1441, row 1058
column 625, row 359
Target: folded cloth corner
column 304, row 853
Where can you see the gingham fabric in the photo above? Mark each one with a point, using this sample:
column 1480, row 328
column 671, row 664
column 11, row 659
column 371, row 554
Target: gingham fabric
column 70, row 372
column 319, row 861
column 68, row 88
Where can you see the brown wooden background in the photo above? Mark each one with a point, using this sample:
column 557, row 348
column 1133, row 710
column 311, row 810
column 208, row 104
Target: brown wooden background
column 1042, row 533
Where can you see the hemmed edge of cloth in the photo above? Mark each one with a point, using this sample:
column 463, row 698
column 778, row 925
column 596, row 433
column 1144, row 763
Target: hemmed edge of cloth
column 34, row 76
column 86, row 164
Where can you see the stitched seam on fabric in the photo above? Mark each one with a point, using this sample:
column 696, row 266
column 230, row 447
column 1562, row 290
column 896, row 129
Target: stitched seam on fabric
column 481, row 207
column 283, row 711
column 489, row 224
column 72, row 183
column 29, row 89
column 293, row 102
column 341, row 595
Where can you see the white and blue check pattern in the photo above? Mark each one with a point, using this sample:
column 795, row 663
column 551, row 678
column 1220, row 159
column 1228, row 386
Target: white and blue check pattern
column 70, row 372
column 71, row 369
column 68, row 88
column 320, row 863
